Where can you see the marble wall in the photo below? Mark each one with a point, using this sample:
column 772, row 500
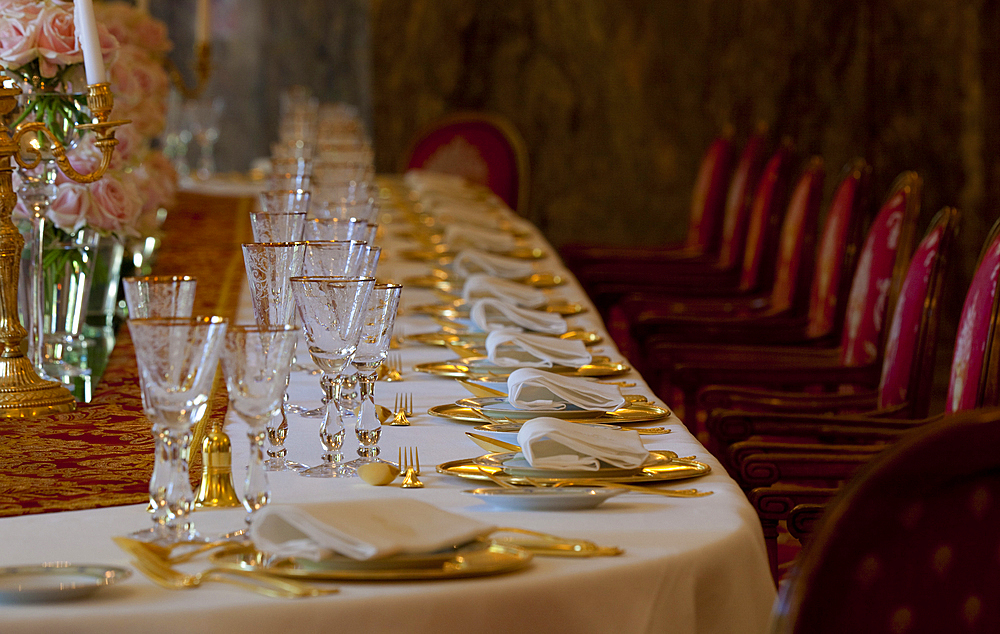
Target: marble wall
column 617, row 100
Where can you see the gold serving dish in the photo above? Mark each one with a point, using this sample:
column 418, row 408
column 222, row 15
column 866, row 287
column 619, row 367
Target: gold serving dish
column 476, row 368
column 668, row 466
column 465, row 411
column 476, row 559
column 474, row 339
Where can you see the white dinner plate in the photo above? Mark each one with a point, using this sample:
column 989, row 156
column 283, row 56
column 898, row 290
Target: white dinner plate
column 515, row 464
column 56, row 581
column 544, row 498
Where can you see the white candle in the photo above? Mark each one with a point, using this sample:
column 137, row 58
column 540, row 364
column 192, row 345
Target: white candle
column 143, row 5
column 202, row 23
column 90, row 41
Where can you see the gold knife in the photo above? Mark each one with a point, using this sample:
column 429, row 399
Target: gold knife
column 492, row 444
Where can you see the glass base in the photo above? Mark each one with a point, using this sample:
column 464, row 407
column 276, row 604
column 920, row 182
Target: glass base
column 328, row 470
column 163, row 536
column 305, row 412
column 281, row 464
column 357, row 462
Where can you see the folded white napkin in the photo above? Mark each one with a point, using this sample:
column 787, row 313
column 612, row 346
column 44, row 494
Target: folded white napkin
column 481, row 285
column 460, row 235
column 469, row 261
column 531, row 389
column 493, row 314
column 360, row 529
column 550, row 443
column 534, row 351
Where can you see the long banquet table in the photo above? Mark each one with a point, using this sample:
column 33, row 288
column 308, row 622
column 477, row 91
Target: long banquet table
column 690, row 565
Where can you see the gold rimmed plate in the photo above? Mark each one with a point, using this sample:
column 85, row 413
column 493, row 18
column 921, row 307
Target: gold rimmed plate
column 513, row 463
column 474, row 339
column 476, row 368
column 636, row 410
column 477, row 559
column 627, row 414
column 669, row 468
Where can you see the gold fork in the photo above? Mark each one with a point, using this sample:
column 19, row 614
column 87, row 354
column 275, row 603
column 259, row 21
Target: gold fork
column 409, row 464
column 402, row 408
column 162, row 574
column 394, row 366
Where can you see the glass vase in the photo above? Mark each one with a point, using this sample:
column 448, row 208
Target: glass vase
column 66, row 275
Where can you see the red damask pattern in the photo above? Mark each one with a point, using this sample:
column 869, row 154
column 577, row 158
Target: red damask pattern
column 102, row 454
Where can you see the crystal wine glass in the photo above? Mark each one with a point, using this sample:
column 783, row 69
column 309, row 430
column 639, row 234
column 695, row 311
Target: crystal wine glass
column 269, row 266
column 155, row 296
column 376, row 333
column 336, row 229
column 332, row 311
column 285, row 201
column 256, row 363
column 277, row 227
column 177, row 359
column 204, row 118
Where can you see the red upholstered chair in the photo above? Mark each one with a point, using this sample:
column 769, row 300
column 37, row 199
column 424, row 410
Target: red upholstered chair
column 606, row 272
column 798, row 309
column 671, row 366
column 484, row 148
column 852, row 440
column 910, row 545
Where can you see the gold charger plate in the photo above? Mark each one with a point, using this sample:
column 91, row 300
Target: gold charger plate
column 671, row 468
column 473, row 339
column 460, row 309
column 445, row 281
column 477, row 559
column 443, row 255
column 638, row 412
column 599, row 366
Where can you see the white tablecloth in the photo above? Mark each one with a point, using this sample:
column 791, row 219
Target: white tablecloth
column 690, row 565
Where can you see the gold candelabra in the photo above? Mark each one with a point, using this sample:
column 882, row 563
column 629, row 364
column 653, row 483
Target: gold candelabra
column 22, row 393
column 202, row 69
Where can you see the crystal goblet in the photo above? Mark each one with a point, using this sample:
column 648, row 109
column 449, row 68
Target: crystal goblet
column 285, row 201
column 256, row 363
column 336, row 229
column 156, row 296
column 331, row 310
column 269, row 268
column 373, row 346
column 277, row 227
column 177, row 359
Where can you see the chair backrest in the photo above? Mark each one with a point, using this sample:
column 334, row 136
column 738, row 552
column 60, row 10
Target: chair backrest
column 908, row 368
column 765, row 216
column 739, row 200
column 838, row 250
column 708, row 199
column 973, row 367
column 793, row 267
column 484, row 148
column 883, row 258
column 910, row 544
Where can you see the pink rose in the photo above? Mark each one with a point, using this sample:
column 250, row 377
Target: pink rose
column 71, row 207
column 116, row 204
column 57, row 44
column 18, row 39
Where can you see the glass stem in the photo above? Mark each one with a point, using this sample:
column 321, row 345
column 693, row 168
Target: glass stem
column 159, row 482
column 368, row 428
column 256, row 492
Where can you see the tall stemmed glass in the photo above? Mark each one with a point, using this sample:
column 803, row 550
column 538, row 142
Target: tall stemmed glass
column 256, row 363
column 332, row 310
column 336, row 229
column 277, row 227
column 177, row 359
column 155, row 297
column 376, row 333
column 285, row 201
column 269, row 267
column 344, row 258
